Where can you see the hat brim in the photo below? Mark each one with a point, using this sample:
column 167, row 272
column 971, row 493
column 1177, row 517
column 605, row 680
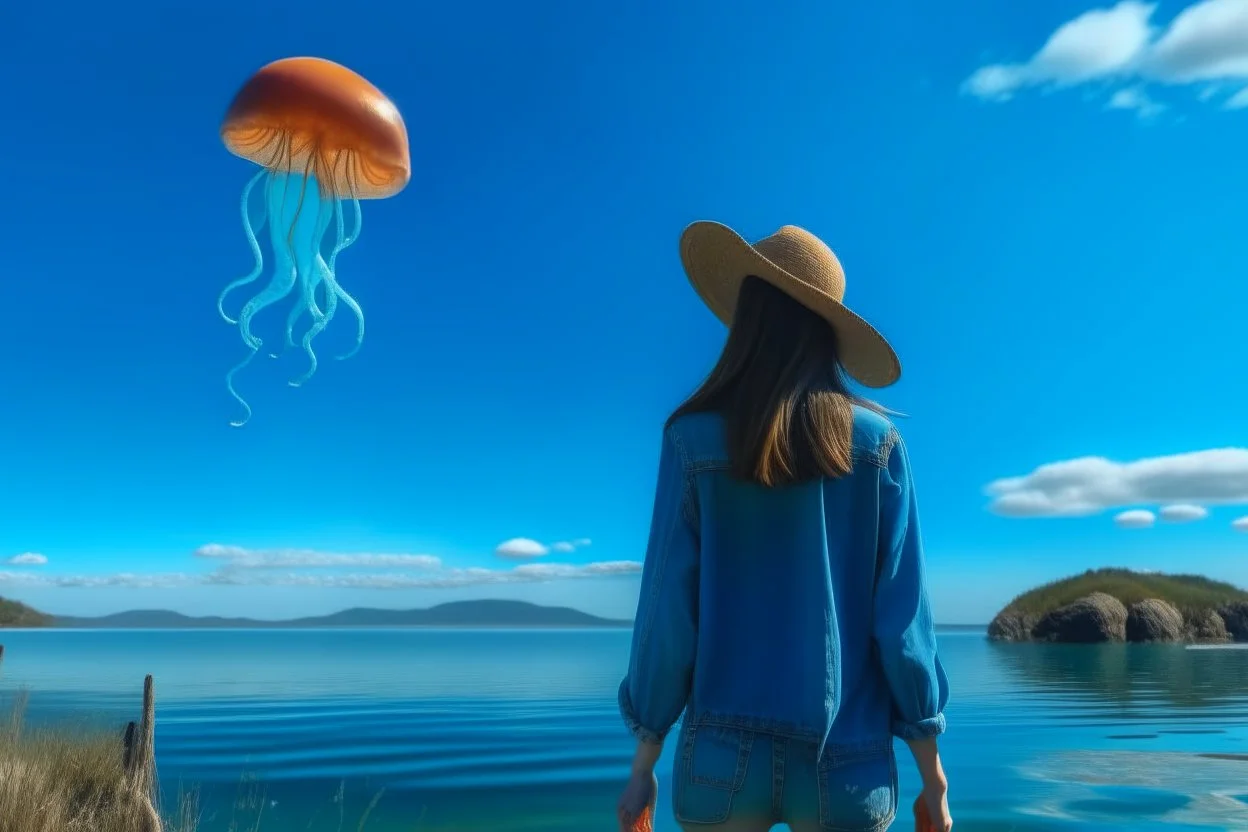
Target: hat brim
column 717, row 260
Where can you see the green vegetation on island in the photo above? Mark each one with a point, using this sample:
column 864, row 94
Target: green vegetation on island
column 1102, row 605
column 16, row 614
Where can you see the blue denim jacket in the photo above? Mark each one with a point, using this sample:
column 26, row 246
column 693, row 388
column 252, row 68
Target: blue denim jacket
column 801, row 610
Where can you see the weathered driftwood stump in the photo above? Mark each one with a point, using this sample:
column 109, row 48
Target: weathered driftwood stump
column 139, row 760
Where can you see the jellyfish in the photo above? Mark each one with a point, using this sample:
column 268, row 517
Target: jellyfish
column 324, row 138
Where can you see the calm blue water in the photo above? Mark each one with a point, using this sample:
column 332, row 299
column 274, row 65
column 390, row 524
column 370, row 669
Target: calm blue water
column 500, row 731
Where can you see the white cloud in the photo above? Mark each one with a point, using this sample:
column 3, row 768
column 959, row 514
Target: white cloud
column 1183, row 513
column 1135, row 519
column 27, row 559
column 1238, row 101
column 239, row 566
column 1090, row 485
column 1240, row 524
column 429, row 579
column 240, row 558
column 1136, row 99
column 1205, row 42
column 521, row 547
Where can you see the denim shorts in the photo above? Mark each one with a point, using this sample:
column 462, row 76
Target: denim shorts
column 732, row 779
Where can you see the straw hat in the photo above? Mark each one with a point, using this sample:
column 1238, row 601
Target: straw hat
column 717, row 260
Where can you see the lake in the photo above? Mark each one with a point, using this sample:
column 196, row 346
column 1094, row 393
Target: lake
column 470, row 730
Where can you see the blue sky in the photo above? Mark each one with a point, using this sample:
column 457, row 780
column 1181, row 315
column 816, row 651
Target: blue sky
column 1051, row 236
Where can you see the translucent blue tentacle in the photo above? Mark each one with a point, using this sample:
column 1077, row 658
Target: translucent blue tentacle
column 345, row 242
column 332, row 283
column 284, row 277
column 308, row 284
column 229, row 385
column 326, row 278
column 251, row 232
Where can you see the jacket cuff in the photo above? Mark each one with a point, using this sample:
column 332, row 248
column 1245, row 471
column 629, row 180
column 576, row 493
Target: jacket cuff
column 923, row 729
column 641, row 732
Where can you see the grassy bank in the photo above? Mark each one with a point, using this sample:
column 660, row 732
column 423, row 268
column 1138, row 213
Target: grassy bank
column 56, row 779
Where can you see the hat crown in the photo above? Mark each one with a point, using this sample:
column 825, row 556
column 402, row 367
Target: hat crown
column 804, row 256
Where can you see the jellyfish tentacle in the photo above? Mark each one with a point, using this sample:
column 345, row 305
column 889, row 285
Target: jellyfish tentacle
column 284, row 277
column 257, row 256
column 229, row 385
column 326, row 278
column 342, row 293
column 345, row 241
column 309, row 280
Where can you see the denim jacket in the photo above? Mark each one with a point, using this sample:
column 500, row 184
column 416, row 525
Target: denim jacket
column 801, row 610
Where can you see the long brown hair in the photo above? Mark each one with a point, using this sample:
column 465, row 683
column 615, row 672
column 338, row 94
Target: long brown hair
column 787, row 410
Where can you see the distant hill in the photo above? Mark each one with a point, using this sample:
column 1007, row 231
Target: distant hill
column 15, row 614
column 453, row 614
column 1103, row 601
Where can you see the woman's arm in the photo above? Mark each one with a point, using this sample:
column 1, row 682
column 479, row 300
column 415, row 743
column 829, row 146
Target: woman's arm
column 904, row 631
column 665, row 630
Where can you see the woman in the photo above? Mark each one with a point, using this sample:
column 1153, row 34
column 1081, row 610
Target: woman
column 784, row 608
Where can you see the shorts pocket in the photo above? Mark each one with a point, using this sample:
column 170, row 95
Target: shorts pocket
column 709, row 772
column 857, row 788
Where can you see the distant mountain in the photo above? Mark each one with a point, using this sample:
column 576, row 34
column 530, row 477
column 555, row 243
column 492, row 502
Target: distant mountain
column 16, row 614
column 453, row 614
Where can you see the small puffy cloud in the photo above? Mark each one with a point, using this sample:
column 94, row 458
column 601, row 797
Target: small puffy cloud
column 27, row 559
column 1135, row 519
column 1135, row 99
column 1183, row 513
column 1121, row 46
column 1095, row 44
column 1240, row 524
column 241, row 558
column 1090, row 485
column 521, row 547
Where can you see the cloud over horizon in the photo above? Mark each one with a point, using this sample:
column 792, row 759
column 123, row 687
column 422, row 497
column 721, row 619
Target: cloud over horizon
column 27, row 559
column 1183, row 513
column 311, row 568
column 1135, row 519
column 1122, row 50
column 1091, row 485
column 522, row 548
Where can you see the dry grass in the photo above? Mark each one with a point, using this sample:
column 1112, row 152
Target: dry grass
column 63, row 780
column 51, row 781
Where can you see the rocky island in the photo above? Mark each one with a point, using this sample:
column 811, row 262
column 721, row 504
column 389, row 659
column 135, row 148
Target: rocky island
column 1106, row 605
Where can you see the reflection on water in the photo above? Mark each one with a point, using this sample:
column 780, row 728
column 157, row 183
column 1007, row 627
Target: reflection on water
column 509, row 731
column 1138, row 679
column 1121, row 786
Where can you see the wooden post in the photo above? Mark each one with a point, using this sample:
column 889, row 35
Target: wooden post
column 140, row 758
column 127, row 745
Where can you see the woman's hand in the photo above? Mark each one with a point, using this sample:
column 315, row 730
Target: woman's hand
column 931, row 810
column 636, row 807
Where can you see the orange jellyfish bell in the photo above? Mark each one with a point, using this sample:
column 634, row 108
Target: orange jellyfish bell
column 314, row 117
column 323, row 137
